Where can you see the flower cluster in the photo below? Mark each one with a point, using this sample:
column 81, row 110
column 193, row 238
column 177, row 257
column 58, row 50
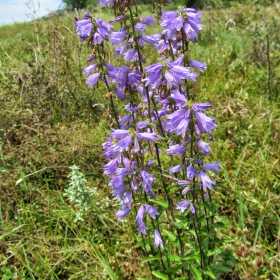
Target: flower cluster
column 161, row 116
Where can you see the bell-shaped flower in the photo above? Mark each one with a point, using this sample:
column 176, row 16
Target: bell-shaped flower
column 151, row 211
column 211, row 166
column 111, row 167
column 201, row 106
column 200, row 66
column 126, row 203
column 140, row 214
column 178, row 122
column 118, row 133
column 176, row 168
column 118, row 37
column 177, row 73
column 142, row 228
column 157, row 239
column 93, row 79
column 205, row 147
column 148, row 136
column 151, row 39
column 176, row 150
column 179, row 98
column 123, row 144
column 103, row 28
column 147, row 20
column 89, row 69
column 183, row 205
column 106, row 2
column 147, row 182
column 122, row 213
column 134, row 78
column 84, row 28
column 191, row 172
column 206, row 181
column 204, row 123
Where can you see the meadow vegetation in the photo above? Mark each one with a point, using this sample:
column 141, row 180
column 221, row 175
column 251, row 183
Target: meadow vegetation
column 50, row 120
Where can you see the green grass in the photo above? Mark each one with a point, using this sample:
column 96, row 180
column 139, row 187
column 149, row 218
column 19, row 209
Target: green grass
column 48, row 123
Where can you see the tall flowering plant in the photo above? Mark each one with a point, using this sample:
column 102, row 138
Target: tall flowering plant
column 157, row 152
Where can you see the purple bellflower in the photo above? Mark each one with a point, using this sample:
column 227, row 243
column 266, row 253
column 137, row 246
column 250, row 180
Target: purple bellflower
column 186, row 19
column 200, row 66
column 122, row 213
column 178, row 122
column 177, row 73
column 151, row 211
column 179, row 98
column 128, row 166
column 119, row 133
column 176, row 150
column 141, row 125
column 183, row 205
column 147, row 182
column 140, row 214
column 84, row 28
column 205, row 147
column 142, row 228
column 103, row 31
column 176, row 168
column 206, row 181
column 154, row 78
column 191, row 172
column 201, row 106
column 106, row 2
column 123, row 144
column 148, row 136
column 89, row 69
column 118, row 186
column 93, row 79
column 126, row 203
column 147, row 20
column 204, row 123
column 134, row 78
column 118, row 37
column 211, row 166
column 157, row 239
column 111, row 167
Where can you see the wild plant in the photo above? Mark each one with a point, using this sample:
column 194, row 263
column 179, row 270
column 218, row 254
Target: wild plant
column 158, row 152
column 78, row 192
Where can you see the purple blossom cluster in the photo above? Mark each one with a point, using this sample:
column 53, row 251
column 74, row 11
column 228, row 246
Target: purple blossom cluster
column 184, row 20
column 159, row 111
column 95, row 29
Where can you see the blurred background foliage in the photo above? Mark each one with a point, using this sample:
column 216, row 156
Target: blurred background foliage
column 49, row 121
column 199, row 4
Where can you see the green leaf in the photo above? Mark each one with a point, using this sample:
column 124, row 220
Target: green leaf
column 148, row 259
column 162, row 203
column 193, row 257
column 171, row 236
column 218, row 225
column 175, row 258
column 222, row 268
column 227, row 240
column 172, row 189
column 196, row 273
column 143, row 279
column 181, row 218
column 168, row 249
column 213, row 251
column 192, row 232
column 208, row 272
column 160, row 275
